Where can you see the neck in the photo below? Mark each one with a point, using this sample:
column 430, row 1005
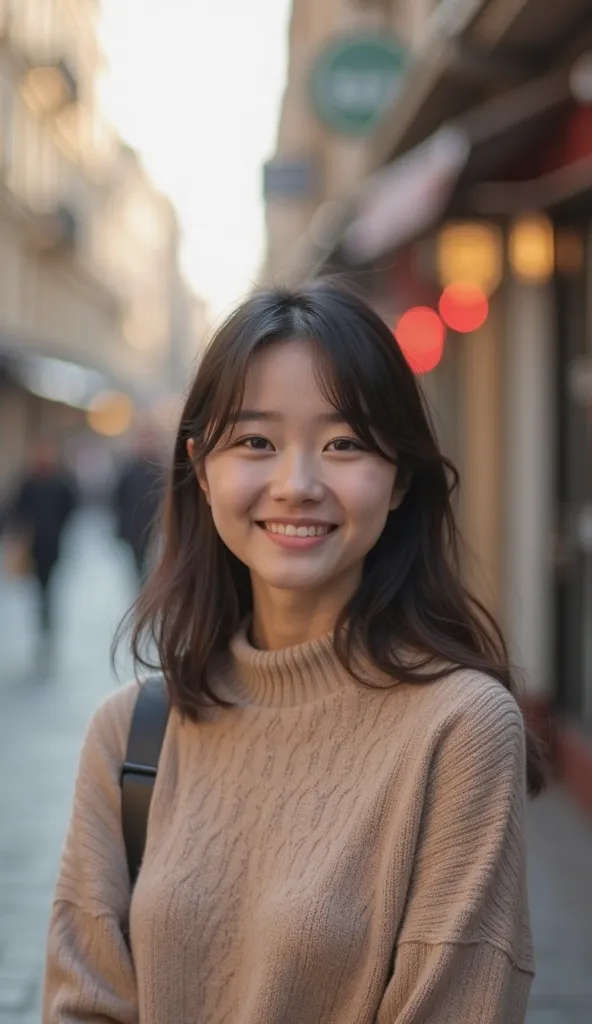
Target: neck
column 286, row 618
column 287, row 678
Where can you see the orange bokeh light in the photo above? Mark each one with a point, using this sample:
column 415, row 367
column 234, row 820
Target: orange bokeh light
column 463, row 307
column 420, row 334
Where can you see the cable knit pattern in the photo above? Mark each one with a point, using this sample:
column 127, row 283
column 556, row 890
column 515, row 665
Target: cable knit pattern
column 321, row 853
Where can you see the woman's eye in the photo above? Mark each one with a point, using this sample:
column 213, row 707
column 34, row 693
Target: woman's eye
column 255, row 443
column 345, row 444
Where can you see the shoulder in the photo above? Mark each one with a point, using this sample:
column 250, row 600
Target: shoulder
column 467, row 715
column 474, row 699
column 475, row 721
column 466, row 695
column 108, row 728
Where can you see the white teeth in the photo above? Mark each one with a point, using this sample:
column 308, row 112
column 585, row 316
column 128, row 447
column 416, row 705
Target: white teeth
column 290, row 530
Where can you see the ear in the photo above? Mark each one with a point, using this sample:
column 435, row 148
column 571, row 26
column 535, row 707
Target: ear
column 400, row 488
column 199, row 469
column 396, row 499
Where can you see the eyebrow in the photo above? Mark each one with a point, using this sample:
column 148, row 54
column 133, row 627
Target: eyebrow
column 259, row 414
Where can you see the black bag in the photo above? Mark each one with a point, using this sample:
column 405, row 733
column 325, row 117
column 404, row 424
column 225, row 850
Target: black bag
column 144, row 742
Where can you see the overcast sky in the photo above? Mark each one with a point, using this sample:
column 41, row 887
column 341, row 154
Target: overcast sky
column 196, row 86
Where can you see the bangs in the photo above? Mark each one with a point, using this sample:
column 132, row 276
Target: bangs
column 223, row 392
column 358, row 367
column 345, row 394
column 225, row 409
column 347, row 389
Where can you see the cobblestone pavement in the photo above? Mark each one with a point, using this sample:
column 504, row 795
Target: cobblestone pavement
column 42, row 720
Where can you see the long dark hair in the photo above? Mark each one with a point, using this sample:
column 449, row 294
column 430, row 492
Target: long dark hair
column 411, row 597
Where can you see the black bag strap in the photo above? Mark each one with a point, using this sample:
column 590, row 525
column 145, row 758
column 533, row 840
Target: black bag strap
column 144, row 742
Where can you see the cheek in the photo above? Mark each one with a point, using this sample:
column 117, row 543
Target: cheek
column 232, row 488
column 366, row 496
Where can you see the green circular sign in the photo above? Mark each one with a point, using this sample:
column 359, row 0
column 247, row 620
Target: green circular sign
column 355, row 80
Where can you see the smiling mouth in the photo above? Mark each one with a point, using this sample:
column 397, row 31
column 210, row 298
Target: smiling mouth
column 292, row 530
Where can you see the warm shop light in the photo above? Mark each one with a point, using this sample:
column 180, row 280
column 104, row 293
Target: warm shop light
column 420, row 334
column 110, row 413
column 471, row 252
column 532, row 249
column 463, row 307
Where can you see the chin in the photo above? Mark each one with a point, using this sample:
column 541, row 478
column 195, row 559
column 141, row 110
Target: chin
column 290, row 580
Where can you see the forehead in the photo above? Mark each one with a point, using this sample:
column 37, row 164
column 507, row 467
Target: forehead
column 282, row 373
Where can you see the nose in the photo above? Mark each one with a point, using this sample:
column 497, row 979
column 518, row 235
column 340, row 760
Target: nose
column 296, row 480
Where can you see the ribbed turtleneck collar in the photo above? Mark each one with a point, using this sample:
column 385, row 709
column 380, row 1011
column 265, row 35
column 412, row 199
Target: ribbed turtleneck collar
column 286, row 678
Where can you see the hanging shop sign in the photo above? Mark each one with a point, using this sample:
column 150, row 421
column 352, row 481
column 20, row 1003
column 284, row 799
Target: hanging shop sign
column 404, row 199
column 354, row 80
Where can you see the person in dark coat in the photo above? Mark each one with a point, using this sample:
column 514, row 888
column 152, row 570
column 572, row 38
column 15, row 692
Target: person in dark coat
column 136, row 500
column 43, row 505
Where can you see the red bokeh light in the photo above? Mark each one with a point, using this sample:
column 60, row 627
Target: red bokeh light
column 463, row 307
column 420, row 334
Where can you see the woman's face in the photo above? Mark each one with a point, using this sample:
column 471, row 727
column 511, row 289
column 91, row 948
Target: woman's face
column 294, row 495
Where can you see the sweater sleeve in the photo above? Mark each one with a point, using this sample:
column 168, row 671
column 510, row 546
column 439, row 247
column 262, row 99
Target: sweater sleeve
column 89, row 974
column 464, row 949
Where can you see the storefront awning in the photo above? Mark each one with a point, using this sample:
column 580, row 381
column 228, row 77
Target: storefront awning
column 556, row 177
column 468, row 46
column 53, row 372
column 409, row 197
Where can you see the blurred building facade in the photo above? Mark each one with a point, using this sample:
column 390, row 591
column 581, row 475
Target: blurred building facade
column 475, row 171
column 315, row 168
column 91, row 294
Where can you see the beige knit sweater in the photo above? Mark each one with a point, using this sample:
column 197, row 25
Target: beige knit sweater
column 319, row 853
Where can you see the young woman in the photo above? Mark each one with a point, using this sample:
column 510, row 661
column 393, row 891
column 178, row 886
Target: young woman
column 337, row 828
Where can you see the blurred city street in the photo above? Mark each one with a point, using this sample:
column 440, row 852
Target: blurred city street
column 437, row 155
column 42, row 721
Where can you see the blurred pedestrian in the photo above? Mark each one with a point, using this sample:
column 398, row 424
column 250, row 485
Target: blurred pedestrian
column 137, row 496
column 44, row 501
column 337, row 826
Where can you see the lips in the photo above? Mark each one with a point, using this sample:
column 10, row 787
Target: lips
column 297, row 529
